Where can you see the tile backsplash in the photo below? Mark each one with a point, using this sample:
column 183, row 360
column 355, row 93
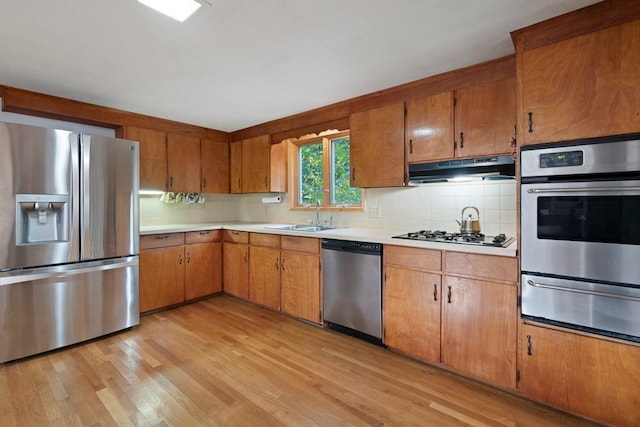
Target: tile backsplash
column 433, row 206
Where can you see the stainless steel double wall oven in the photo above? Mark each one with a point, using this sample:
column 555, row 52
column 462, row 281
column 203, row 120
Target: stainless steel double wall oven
column 580, row 235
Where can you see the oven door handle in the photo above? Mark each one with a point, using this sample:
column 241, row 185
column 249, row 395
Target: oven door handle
column 582, row 190
column 580, row 291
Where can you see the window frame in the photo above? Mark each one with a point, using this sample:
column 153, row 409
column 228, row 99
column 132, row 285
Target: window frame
column 325, row 139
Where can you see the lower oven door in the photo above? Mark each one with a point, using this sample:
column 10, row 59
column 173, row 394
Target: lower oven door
column 588, row 230
column 604, row 308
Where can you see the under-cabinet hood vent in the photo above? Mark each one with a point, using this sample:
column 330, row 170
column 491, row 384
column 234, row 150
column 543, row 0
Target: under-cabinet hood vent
column 485, row 168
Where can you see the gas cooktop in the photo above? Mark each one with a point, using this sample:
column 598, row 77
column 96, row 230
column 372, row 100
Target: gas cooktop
column 478, row 239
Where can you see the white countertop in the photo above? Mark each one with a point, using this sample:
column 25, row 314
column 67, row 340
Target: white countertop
column 383, row 236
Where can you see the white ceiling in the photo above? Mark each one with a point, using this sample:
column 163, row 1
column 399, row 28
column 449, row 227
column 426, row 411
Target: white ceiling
column 238, row 63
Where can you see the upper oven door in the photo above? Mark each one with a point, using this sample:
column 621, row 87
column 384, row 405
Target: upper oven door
column 588, row 230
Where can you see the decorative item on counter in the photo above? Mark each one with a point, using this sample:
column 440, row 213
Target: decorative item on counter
column 185, row 198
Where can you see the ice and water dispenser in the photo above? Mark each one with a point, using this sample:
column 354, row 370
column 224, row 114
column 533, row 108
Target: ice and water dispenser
column 42, row 218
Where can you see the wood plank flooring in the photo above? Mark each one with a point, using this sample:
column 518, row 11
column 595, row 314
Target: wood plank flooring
column 226, row 362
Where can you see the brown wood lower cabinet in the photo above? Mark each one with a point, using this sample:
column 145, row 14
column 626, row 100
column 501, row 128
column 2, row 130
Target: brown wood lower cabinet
column 582, row 374
column 264, row 270
column 162, row 266
column 172, row 272
column 235, row 260
column 300, row 278
column 441, row 307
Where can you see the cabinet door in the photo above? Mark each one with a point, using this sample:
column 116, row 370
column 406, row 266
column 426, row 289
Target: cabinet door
column 153, row 156
column 236, row 269
column 581, row 374
column 204, row 269
column 214, row 166
column 235, row 164
column 430, row 128
column 412, row 312
column 485, row 118
column 264, row 276
column 479, row 329
column 583, row 87
column 377, row 147
column 161, row 277
column 301, row 285
column 183, row 159
column 256, row 155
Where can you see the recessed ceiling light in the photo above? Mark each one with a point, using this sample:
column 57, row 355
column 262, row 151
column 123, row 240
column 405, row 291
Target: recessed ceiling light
column 177, row 9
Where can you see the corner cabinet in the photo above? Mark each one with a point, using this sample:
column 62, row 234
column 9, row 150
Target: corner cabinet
column 590, row 376
column 214, row 164
column 583, row 87
column 257, row 166
column 377, row 147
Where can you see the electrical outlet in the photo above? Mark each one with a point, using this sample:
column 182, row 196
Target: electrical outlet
column 374, row 211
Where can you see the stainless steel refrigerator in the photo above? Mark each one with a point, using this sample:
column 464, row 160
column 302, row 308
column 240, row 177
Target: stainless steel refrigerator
column 69, row 240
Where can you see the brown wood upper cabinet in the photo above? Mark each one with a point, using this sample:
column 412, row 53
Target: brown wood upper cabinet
column 153, row 156
column 377, row 147
column 183, row 160
column 583, row 87
column 257, row 166
column 214, row 163
column 474, row 121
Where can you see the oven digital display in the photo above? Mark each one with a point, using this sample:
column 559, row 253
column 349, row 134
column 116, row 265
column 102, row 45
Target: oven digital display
column 565, row 158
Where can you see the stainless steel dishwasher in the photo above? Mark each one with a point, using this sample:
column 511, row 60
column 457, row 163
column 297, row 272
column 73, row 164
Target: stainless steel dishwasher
column 352, row 288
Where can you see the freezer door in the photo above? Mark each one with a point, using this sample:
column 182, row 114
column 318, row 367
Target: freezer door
column 38, row 192
column 52, row 307
column 109, row 206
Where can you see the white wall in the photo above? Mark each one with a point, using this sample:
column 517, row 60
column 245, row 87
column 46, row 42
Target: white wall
column 435, row 207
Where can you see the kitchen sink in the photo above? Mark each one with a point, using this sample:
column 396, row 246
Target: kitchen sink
column 300, row 227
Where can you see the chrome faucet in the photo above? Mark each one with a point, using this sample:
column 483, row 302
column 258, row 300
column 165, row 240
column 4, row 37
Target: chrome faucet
column 318, row 212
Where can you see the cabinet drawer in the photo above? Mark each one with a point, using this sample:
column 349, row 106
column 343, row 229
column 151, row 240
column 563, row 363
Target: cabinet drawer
column 494, row 268
column 300, row 244
column 235, row 236
column 151, row 241
column 264, row 239
column 425, row 259
column 202, row 236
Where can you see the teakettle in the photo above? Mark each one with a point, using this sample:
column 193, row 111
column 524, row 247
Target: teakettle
column 468, row 224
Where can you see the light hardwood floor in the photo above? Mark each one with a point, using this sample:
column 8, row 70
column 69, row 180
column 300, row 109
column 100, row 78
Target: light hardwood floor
column 226, row 362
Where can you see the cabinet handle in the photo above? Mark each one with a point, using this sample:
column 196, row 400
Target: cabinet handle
column 266, row 181
column 411, row 146
column 170, row 182
column 529, row 345
column 530, row 114
column 188, row 258
column 353, row 174
column 246, row 257
column 239, row 183
column 282, row 264
column 204, row 182
column 449, row 294
column 461, row 140
column 277, row 264
column 164, row 236
column 204, row 233
column 435, row 292
column 180, row 259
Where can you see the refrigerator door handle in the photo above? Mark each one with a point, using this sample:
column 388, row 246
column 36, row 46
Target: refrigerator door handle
column 20, row 276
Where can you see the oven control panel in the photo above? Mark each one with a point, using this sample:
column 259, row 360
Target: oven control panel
column 562, row 159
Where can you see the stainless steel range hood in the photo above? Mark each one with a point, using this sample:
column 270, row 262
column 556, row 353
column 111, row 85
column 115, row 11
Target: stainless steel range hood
column 485, row 168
